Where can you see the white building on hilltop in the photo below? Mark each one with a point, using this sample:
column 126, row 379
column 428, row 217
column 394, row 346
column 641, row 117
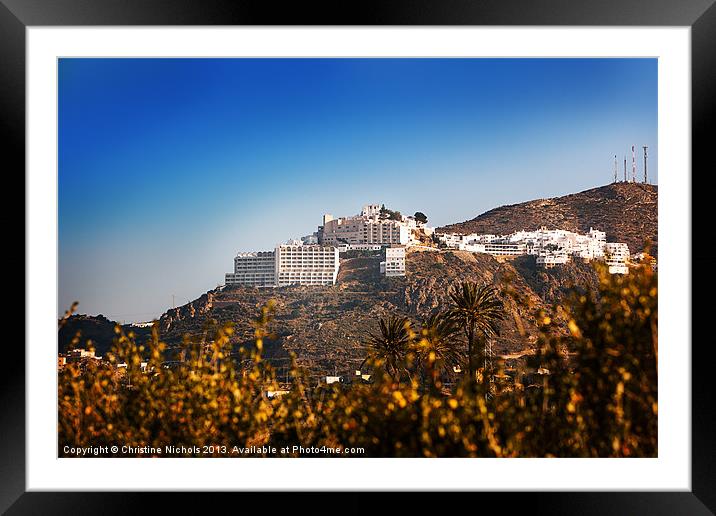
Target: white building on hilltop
column 306, row 265
column 617, row 254
column 370, row 210
column 253, row 270
column 597, row 235
column 293, row 264
column 360, row 247
column 506, row 248
column 550, row 259
column 394, row 264
column 370, row 227
column 363, row 230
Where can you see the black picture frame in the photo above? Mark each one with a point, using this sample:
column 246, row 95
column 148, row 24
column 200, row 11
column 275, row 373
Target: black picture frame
column 700, row 15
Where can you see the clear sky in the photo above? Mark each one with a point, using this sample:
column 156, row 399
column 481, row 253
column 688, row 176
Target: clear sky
column 168, row 167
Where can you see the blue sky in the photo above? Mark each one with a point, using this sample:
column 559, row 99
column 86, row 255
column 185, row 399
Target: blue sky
column 168, row 167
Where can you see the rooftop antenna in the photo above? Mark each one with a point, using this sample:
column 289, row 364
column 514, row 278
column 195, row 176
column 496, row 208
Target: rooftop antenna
column 173, row 304
column 645, row 176
column 625, row 176
column 615, row 168
column 633, row 165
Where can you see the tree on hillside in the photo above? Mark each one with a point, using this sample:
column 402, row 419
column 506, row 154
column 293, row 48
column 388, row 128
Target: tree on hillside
column 421, row 217
column 385, row 213
column 389, row 347
column 438, row 348
column 477, row 310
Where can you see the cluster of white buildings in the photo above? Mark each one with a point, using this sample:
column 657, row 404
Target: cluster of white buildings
column 550, row 246
column 314, row 259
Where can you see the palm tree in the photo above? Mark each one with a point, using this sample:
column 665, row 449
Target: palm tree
column 390, row 346
column 477, row 310
column 437, row 348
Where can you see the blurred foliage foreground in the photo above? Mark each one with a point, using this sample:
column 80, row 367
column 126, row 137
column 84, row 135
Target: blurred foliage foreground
column 597, row 396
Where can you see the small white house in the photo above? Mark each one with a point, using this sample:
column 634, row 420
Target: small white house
column 394, row 264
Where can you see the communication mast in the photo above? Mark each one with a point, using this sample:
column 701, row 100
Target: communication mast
column 625, row 176
column 646, row 180
column 633, row 165
column 615, row 168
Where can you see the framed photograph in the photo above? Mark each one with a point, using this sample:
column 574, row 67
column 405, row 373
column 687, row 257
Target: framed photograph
column 405, row 249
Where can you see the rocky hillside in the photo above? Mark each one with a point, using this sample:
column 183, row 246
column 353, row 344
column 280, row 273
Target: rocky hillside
column 326, row 326
column 627, row 212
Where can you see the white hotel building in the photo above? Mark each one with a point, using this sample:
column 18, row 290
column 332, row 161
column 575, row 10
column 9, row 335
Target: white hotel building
column 253, row 270
column 306, row 265
column 362, row 230
column 286, row 265
column 369, row 228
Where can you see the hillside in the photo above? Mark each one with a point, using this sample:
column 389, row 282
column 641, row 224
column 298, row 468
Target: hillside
column 627, row 212
column 96, row 328
column 326, row 326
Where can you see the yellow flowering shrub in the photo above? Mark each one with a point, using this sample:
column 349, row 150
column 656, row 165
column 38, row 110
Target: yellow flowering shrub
column 589, row 393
